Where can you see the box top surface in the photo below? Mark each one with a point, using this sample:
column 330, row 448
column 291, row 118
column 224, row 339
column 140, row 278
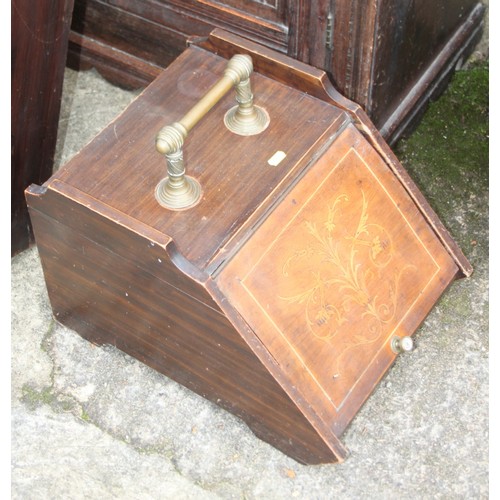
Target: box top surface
column 120, row 168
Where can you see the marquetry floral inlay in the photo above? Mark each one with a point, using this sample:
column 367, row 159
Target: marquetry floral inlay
column 349, row 274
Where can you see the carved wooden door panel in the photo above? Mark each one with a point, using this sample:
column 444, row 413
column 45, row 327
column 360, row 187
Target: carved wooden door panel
column 266, row 20
column 131, row 41
column 294, row 27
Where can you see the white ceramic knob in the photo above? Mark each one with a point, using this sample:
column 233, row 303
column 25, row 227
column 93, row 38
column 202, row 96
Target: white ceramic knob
column 402, row 344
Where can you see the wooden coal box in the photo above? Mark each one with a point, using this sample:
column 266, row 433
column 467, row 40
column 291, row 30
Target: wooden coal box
column 286, row 278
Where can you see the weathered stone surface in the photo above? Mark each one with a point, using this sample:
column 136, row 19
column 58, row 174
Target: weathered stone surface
column 58, row 456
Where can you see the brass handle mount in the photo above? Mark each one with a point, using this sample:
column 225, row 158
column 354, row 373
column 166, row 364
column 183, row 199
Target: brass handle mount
column 178, row 191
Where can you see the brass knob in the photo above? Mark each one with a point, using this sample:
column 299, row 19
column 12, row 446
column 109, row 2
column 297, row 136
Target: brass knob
column 402, row 344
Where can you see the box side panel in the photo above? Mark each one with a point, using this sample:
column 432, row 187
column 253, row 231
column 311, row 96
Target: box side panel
column 109, row 298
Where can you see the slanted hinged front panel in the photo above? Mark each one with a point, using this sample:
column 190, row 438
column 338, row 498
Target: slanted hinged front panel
column 342, row 265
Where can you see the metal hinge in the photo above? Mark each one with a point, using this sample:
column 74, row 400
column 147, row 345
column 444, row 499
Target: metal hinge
column 329, row 31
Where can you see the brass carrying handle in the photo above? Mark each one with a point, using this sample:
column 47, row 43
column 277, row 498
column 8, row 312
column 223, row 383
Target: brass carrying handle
column 178, row 191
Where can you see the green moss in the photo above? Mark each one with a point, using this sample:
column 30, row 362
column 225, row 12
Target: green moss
column 34, row 397
column 448, row 158
column 85, row 416
column 448, row 151
column 47, row 338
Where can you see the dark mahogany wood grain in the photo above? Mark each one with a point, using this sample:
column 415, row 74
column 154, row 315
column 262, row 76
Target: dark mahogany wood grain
column 392, row 57
column 204, row 295
column 39, row 47
column 399, row 116
column 140, row 302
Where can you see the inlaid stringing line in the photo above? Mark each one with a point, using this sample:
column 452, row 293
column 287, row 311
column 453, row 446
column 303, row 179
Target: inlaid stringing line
column 271, row 321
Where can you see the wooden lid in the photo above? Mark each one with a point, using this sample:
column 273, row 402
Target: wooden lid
column 121, row 166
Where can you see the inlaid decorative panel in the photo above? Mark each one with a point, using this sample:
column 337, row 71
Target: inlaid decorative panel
column 340, row 268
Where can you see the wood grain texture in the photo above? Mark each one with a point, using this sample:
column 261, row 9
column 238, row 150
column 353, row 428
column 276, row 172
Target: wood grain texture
column 278, row 295
column 39, row 46
column 118, row 287
column 345, row 263
column 390, row 57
